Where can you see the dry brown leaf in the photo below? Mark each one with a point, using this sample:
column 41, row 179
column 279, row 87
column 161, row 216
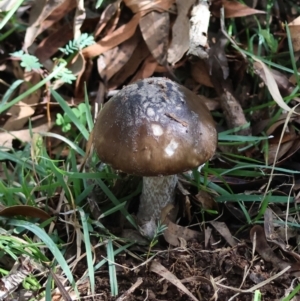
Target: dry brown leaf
column 24, row 210
column 212, row 103
column 108, row 13
column 258, row 237
column 224, row 231
column 266, row 75
column 294, row 28
column 155, row 30
column 187, row 209
column 283, row 149
column 6, row 138
column 219, row 76
column 111, row 61
column 294, row 148
column 57, row 14
column 206, row 200
column 38, row 13
column 146, row 70
column 281, row 235
column 138, row 56
column 79, row 18
column 83, row 78
column 280, row 121
column 160, row 270
column 207, row 236
column 145, row 5
column 126, row 294
column 49, row 45
column 112, row 40
column 180, row 32
column 175, row 234
column 82, row 69
column 233, row 9
column 21, row 112
column 18, row 71
column 285, row 85
column 77, row 66
column 264, row 124
column 200, row 73
column 162, row 69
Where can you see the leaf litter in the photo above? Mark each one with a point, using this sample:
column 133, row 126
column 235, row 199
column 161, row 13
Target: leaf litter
column 138, row 39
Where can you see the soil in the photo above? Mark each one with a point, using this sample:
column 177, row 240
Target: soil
column 198, row 269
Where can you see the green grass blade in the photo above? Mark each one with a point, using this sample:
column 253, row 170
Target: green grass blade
column 70, row 114
column 253, row 198
column 116, row 202
column 31, row 90
column 10, row 13
column 41, row 234
column 89, row 117
column 10, row 91
column 87, row 243
column 112, row 269
column 67, row 141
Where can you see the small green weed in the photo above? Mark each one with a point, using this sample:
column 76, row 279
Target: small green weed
column 80, row 112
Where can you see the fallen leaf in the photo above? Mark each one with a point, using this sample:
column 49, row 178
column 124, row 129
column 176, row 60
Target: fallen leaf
column 79, row 18
column 6, row 138
column 200, row 74
column 108, row 13
column 111, row 61
column 40, row 10
column 83, row 78
column 49, row 45
column 146, row 5
column 266, row 75
column 206, row 201
column 180, row 32
column 126, row 295
column 138, row 56
column 146, row 70
column 224, row 231
column 294, row 28
column 155, row 31
column 207, row 236
column 219, row 76
column 258, row 238
column 57, row 14
column 284, row 147
column 160, row 270
column 174, row 234
column 21, row 112
column 112, row 40
column 264, row 125
column 233, row 9
column 26, row 211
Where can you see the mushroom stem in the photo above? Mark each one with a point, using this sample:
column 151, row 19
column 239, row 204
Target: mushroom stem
column 157, row 192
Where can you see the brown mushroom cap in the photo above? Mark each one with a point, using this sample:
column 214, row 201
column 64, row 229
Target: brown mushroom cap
column 155, row 127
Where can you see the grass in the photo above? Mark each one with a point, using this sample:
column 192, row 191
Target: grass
column 35, row 178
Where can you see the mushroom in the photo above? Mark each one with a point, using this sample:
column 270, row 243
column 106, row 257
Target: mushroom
column 155, row 128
